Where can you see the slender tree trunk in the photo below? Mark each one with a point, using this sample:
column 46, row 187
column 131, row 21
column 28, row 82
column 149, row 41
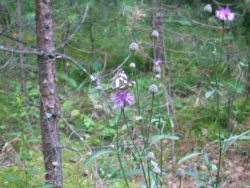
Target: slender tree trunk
column 48, row 90
column 157, row 24
column 21, row 57
column 160, row 55
column 91, row 33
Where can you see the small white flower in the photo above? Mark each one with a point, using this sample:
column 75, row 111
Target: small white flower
column 151, row 155
column 93, row 78
column 138, row 118
column 157, row 170
column 155, row 34
column 132, row 65
column 208, row 8
column 133, row 47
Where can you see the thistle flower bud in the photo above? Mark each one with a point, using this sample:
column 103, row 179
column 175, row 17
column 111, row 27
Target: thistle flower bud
column 180, row 172
column 208, row 8
column 132, row 65
column 157, row 69
column 155, row 34
column 133, row 47
column 153, row 89
column 99, row 87
column 151, row 156
column 157, row 76
column 156, row 170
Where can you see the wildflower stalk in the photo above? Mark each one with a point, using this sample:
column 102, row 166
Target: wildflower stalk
column 217, row 107
column 138, row 153
column 138, row 106
column 117, row 148
column 148, row 165
column 156, row 181
column 150, row 118
column 180, row 182
column 222, row 40
column 161, row 144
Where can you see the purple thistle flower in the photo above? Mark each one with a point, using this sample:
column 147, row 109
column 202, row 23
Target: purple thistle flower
column 225, row 14
column 157, row 62
column 122, row 98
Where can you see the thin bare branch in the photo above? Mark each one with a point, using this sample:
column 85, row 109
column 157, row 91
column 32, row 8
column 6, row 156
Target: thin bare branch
column 77, row 28
column 41, row 53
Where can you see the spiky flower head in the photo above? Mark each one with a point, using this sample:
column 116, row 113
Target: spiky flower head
column 123, row 98
column 156, row 170
column 208, row 8
column 99, row 87
column 153, row 89
column 157, row 69
column 157, row 62
column 157, row 76
column 180, row 172
column 225, row 14
column 132, row 65
column 151, row 155
column 155, row 34
column 133, row 47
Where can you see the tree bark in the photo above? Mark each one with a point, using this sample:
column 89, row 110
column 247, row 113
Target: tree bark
column 20, row 46
column 48, row 90
column 160, row 55
column 157, row 24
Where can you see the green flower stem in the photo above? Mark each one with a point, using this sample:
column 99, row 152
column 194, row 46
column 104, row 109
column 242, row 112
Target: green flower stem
column 117, row 68
column 161, row 144
column 150, row 118
column 117, row 148
column 137, row 95
column 217, row 99
column 148, row 165
column 139, row 107
column 138, row 153
column 220, row 157
column 222, row 41
column 156, row 181
column 180, row 182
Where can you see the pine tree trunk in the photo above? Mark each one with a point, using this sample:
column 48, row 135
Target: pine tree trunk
column 160, row 55
column 48, row 91
column 157, row 25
